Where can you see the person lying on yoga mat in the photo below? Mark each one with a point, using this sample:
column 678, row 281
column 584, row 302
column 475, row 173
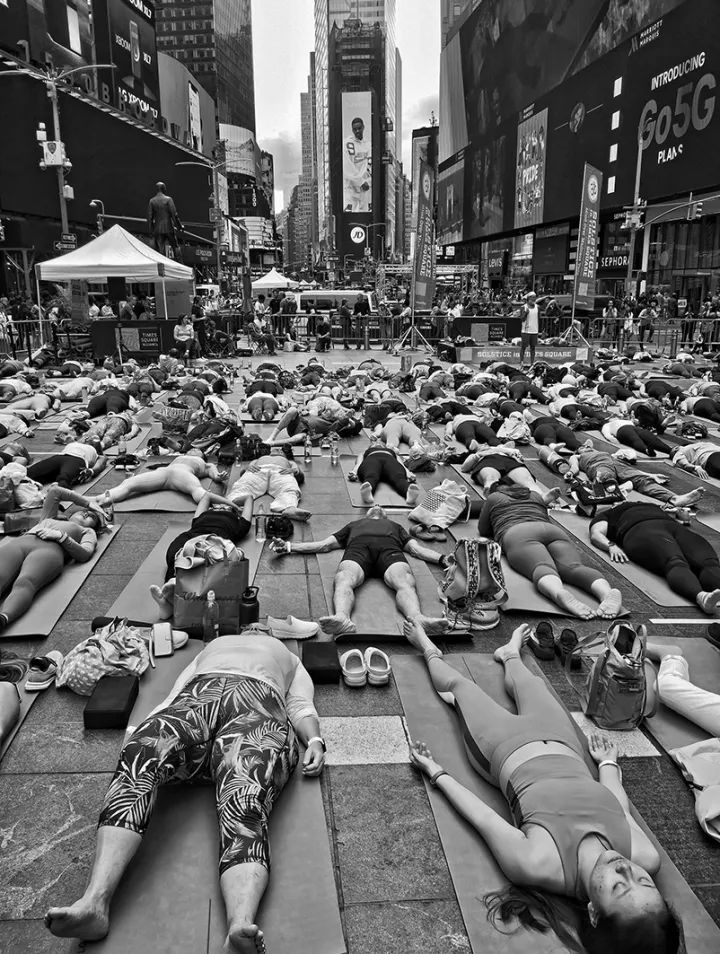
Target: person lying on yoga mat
column 107, row 430
column 298, row 424
column 183, row 474
column 72, row 390
column 610, row 473
column 14, row 452
column 505, row 463
column 261, row 406
column 653, row 538
column 379, row 463
column 704, row 407
column 233, row 717
column 277, row 476
column 231, row 522
column 43, row 403
column 701, row 458
column 571, row 409
column 540, row 550
column 578, row 863
column 662, row 391
column 678, row 693
column 77, row 462
column 14, row 424
column 550, row 432
column 398, row 429
column 10, row 388
column 471, row 431
column 642, row 441
column 374, row 547
column 37, row 557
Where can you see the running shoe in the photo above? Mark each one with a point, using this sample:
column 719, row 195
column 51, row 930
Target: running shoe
column 43, row 670
column 542, row 640
column 565, row 643
column 292, row 628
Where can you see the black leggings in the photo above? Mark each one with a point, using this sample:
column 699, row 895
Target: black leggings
column 707, row 408
column 507, row 407
column 63, row 469
column 553, row 432
column 644, row 442
column 687, row 561
column 521, row 389
column 570, row 410
column 430, row 391
column 384, row 467
column 437, row 412
column 712, row 465
column 658, row 390
column 616, row 392
column 111, row 402
column 470, row 431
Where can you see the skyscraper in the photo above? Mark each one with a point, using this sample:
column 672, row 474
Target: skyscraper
column 213, row 38
column 451, row 11
column 334, row 13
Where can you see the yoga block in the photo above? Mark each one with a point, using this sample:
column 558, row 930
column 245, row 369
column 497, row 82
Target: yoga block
column 322, row 662
column 111, row 703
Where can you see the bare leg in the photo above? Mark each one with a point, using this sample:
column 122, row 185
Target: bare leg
column 133, row 486
column 347, row 579
column 522, row 477
column 242, row 888
column 399, row 577
column 89, row 918
column 551, row 586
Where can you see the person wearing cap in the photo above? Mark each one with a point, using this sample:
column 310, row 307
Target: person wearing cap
column 530, row 327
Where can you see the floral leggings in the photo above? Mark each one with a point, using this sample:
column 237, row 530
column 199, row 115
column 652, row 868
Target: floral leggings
column 229, row 729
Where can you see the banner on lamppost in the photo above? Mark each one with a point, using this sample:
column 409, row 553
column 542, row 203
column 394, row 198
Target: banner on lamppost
column 586, row 261
column 424, row 265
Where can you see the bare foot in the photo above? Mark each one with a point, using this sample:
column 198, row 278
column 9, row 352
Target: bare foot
column 688, row 500
column 514, row 645
column 551, row 496
column 297, row 513
column 244, row 939
column 611, row 606
column 565, row 600
column 658, row 651
column 85, row 919
column 411, row 497
column 709, row 602
column 163, row 597
column 434, row 627
column 414, row 632
column 366, row 494
column 337, row 625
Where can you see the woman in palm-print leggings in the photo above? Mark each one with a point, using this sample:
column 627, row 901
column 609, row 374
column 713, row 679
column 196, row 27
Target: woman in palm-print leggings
column 233, row 717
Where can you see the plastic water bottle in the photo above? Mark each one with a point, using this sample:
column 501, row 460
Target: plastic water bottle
column 260, row 524
column 84, row 395
column 308, row 449
column 238, row 450
column 211, row 618
column 122, row 447
column 334, row 449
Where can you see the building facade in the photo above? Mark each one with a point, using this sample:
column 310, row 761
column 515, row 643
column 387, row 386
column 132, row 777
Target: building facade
column 513, row 146
column 331, row 14
column 451, row 12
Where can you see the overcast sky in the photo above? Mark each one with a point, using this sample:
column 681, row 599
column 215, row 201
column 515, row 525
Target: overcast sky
column 283, row 36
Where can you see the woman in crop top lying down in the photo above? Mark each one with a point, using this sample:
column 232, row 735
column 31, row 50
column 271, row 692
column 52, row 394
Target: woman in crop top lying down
column 575, row 837
column 233, row 717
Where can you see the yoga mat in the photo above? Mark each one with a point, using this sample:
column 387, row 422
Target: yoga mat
column 670, row 729
column 711, row 520
column 375, row 612
column 148, row 428
column 169, row 898
column 472, row 868
column 52, row 601
column 385, row 496
column 649, row 583
column 522, row 595
column 135, row 601
column 26, row 701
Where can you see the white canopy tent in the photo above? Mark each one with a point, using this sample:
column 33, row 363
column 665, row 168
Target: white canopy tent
column 115, row 254
column 273, row 279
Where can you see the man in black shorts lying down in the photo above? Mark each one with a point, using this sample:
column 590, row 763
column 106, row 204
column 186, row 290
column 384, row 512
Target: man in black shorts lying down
column 374, row 547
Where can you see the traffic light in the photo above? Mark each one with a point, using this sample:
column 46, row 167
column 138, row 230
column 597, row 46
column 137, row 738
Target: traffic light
column 695, row 210
column 2, row 232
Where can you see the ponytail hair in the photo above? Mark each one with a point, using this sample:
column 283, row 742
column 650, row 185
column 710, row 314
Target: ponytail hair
column 514, row 907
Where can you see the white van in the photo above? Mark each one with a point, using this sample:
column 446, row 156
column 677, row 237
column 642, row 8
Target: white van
column 325, row 300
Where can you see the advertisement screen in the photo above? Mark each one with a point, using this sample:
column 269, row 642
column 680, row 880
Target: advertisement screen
column 357, row 151
column 125, row 36
column 195, row 120
column 451, row 200
column 453, row 128
column 530, row 170
column 485, row 206
column 55, row 30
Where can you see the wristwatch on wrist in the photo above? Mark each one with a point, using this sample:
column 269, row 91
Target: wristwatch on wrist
column 316, row 738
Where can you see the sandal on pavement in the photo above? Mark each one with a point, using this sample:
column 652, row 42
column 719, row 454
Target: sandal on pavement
column 565, row 643
column 378, row 666
column 353, row 667
column 421, row 532
column 43, row 670
column 542, row 640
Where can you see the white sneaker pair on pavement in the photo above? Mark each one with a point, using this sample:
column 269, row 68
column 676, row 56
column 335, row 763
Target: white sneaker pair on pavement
column 359, row 668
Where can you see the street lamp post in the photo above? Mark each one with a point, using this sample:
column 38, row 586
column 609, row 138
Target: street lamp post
column 216, row 210
column 635, row 212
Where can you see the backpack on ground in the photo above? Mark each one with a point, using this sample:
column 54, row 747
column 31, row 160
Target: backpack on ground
column 693, row 430
column 620, row 683
column 472, row 562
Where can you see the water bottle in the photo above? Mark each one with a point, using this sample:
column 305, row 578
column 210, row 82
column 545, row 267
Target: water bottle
column 84, row 395
column 260, row 524
column 211, row 618
column 325, row 446
column 238, row 450
column 334, row 449
column 122, row 447
column 308, row 449
column 249, row 607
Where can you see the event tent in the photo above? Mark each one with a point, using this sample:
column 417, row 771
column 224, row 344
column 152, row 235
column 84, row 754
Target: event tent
column 273, row 279
column 114, row 254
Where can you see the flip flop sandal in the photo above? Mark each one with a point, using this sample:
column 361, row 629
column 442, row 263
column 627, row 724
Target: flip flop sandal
column 354, row 668
column 421, row 532
column 437, row 533
column 564, row 645
column 378, row 666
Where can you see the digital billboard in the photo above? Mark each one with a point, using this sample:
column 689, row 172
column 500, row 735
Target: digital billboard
column 451, row 201
column 125, row 36
column 357, row 151
column 485, row 190
column 530, row 170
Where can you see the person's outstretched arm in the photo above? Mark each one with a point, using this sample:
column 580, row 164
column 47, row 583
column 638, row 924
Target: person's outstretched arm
column 416, row 549
column 284, row 547
column 599, row 539
column 57, row 495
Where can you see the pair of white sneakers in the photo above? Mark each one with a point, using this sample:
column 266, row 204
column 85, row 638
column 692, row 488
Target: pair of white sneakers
column 372, row 666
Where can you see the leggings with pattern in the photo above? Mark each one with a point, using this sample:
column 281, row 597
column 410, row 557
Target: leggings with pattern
column 228, row 729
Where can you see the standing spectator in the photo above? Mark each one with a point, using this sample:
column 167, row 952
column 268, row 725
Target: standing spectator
column 199, row 319
column 287, row 313
column 323, row 334
column 647, row 319
column 261, row 327
column 260, row 309
column 687, row 327
column 671, row 308
column 140, row 307
column 360, row 314
column 93, row 311
column 552, row 317
column 530, row 327
column 610, row 321
column 345, row 316
column 437, row 322
column 274, row 310
column 406, row 316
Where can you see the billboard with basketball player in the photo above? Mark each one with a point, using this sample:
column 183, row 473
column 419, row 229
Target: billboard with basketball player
column 357, row 151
